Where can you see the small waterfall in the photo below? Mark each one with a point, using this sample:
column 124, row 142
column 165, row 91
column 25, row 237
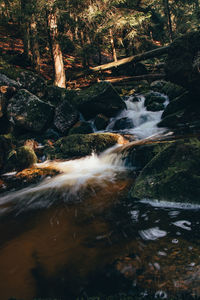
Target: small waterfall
column 76, row 176
column 144, row 122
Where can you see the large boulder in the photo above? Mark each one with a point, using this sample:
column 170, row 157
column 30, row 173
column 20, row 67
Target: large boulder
column 27, row 111
column 65, row 117
column 182, row 65
column 99, row 98
column 173, row 174
column 55, row 95
column 33, row 83
column 79, row 145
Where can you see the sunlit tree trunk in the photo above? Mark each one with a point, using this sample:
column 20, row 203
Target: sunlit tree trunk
column 59, row 71
column 113, row 45
column 34, row 44
column 169, row 20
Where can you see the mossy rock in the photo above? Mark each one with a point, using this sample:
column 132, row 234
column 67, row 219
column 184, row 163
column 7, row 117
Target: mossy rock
column 173, row 121
column 99, row 98
column 26, row 157
column 79, row 145
column 182, row 65
column 172, row 90
column 27, row 111
column 178, row 104
column 33, row 83
column 65, row 117
column 55, row 95
column 81, row 128
column 10, row 71
column 173, row 174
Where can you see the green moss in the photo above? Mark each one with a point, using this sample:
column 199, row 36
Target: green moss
column 9, row 70
column 78, row 145
column 26, row 158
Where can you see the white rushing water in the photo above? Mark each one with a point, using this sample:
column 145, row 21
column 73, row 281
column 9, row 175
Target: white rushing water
column 144, row 121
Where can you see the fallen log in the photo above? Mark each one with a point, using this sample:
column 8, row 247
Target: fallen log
column 135, row 78
column 149, row 54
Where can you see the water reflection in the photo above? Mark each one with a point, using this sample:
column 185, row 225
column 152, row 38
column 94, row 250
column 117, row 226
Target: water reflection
column 104, row 245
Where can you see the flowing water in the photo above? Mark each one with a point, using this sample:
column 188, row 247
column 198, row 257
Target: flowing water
column 79, row 235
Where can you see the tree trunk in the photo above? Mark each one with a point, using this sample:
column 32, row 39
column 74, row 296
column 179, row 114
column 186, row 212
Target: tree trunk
column 149, row 54
column 59, row 72
column 26, row 31
column 169, row 20
column 113, row 45
column 34, row 44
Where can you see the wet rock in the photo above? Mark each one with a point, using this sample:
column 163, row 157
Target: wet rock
column 101, row 122
column 78, row 145
column 65, row 117
column 33, row 83
column 26, row 157
column 123, row 123
column 177, row 104
column 5, row 148
column 158, row 85
column 27, row 111
column 81, row 128
column 26, row 177
column 154, row 101
column 56, row 95
column 172, row 90
column 182, row 65
column 99, row 98
column 172, row 175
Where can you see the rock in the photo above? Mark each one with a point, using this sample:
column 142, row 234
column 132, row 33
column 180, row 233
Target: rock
column 5, row 148
column 154, row 101
column 33, row 83
column 5, row 125
column 27, row 111
column 78, row 145
column 173, row 121
column 182, row 65
column 157, row 85
column 172, row 175
column 172, row 90
column 81, row 128
column 26, row 158
column 101, row 122
column 65, row 117
column 179, row 103
column 56, row 95
column 123, row 123
column 26, row 177
column 99, row 98
column 5, row 81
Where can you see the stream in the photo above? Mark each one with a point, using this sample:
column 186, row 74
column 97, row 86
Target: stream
column 78, row 235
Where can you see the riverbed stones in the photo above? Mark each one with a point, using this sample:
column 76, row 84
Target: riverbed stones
column 173, row 174
column 101, row 122
column 27, row 111
column 54, row 95
column 81, row 127
column 99, row 98
column 65, row 117
column 154, row 101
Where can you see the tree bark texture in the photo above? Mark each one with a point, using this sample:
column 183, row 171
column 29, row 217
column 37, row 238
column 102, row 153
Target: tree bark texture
column 59, row 72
